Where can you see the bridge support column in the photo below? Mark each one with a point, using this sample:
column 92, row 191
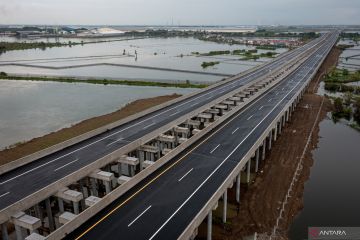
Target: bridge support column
column 283, row 120
column 238, row 179
column 209, row 226
column 248, row 168
column 280, row 126
column 4, row 231
column 94, row 187
column 275, row 132
column 19, row 232
column 270, row 140
column 49, row 215
column 61, row 205
column 264, row 150
column 257, row 153
column 224, row 206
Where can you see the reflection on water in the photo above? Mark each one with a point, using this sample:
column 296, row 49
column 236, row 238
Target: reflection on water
column 331, row 195
column 32, row 109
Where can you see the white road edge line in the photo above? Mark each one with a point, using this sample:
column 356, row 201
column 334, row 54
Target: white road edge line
column 185, row 175
column 57, row 169
column 118, row 140
column 148, row 126
column 139, row 216
column 212, row 173
column 214, row 149
column 234, row 131
column 3, row 195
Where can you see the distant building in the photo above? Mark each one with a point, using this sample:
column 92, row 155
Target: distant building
column 101, row 32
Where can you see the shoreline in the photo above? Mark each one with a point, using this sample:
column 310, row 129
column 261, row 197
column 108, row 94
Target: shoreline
column 39, row 143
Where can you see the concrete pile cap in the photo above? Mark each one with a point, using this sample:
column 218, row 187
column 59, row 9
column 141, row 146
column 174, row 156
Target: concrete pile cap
column 228, row 102
column 70, row 195
column 166, row 138
column 221, row 106
column 35, row 236
column 66, row 217
column 26, row 221
column 149, row 148
column 102, row 175
column 181, row 129
column 91, row 200
column 205, row 115
column 193, row 122
column 234, row 99
column 212, row 110
column 129, row 160
column 123, row 179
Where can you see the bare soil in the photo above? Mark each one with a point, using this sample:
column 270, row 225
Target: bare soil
column 64, row 134
column 261, row 201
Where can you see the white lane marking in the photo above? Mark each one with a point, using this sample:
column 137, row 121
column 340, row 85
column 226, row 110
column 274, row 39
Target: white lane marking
column 234, row 131
column 118, row 140
column 277, row 93
column 212, row 173
column 3, row 195
column 250, row 117
column 282, row 89
column 193, row 104
column 270, row 100
column 148, row 126
column 215, row 148
column 139, row 216
column 261, row 107
column 156, row 115
column 173, row 114
column 66, row 165
column 185, row 175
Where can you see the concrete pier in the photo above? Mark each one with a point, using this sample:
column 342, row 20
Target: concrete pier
column 224, row 206
column 24, row 221
column 209, row 226
column 248, row 168
column 238, row 181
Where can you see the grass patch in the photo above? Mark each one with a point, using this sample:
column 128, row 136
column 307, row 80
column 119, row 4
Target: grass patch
column 188, row 84
column 209, row 64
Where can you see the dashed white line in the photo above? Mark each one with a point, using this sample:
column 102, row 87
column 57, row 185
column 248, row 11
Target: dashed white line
column 277, row 93
column 66, row 165
column 234, row 131
column 118, row 140
column 250, row 117
column 261, row 107
column 282, row 89
column 270, row 100
column 215, row 148
column 139, row 216
column 148, row 126
column 173, row 114
column 216, row 169
column 3, row 195
column 185, row 175
column 193, row 104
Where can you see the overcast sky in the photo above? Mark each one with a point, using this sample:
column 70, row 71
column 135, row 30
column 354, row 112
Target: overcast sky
column 184, row 12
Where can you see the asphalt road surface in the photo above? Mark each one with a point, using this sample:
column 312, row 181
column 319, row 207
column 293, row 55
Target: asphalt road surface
column 162, row 206
column 25, row 180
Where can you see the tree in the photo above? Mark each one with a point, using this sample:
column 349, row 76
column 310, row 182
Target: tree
column 338, row 106
column 345, row 72
column 347, row 98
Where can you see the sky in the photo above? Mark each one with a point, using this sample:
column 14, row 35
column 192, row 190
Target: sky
column 180, row 12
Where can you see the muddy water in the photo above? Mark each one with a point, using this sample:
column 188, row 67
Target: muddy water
column 331, row 195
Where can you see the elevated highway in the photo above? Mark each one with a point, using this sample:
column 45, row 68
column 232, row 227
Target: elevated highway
column 176, row 191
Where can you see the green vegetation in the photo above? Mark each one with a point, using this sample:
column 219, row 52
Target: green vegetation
column 336, row 79
column 266, row 47
column 215, row 53
column 209, row 64
column 187, row 84
column 11, row 46
column 344, row 46
column 355, row 36
column 340, row 111
column 247, row 54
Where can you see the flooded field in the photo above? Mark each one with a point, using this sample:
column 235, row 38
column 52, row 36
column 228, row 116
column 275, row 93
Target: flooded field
column 32, row 109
